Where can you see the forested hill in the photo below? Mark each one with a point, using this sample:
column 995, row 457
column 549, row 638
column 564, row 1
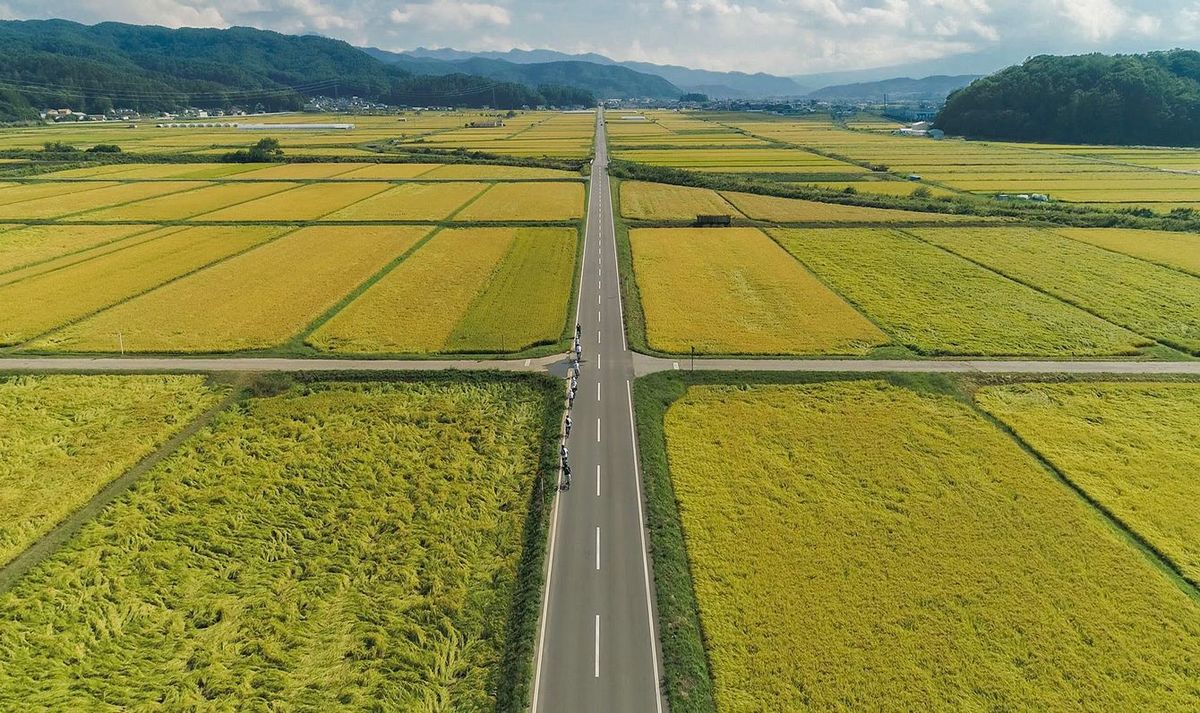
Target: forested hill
column 56, row 63
column 1096, row 99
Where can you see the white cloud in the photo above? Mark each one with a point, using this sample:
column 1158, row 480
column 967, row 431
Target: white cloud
column 442, row 14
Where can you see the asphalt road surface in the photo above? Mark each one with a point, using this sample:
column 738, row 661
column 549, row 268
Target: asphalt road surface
column 597, row 647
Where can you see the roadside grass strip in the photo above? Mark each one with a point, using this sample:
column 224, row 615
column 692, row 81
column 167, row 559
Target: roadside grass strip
column 794, row 210
column 255, row 300
column 735, row 291
column 415, row 308
column 56, row 206
column 308, row 202
column 857, row 542
column 412, row 201
column 1178, row 250
column 179, row 206
column 642, row 200
column 32, row 306
column 937, row 303
column 335, row 547
column 29, row 245
column 526, row 201
column 526, row 299
column 1131, row 447
column 63, row 438
column 1149, row 299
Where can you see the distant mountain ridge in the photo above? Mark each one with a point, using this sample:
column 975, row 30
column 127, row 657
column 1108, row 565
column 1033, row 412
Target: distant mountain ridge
column 603, row 80
column 934, row 88
column 718, row 85
column 94, row 68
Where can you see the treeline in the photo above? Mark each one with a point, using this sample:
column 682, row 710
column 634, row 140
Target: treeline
column 1096, row 99
column 61, row 64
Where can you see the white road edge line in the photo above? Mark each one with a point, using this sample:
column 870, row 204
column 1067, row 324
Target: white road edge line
column 541, row 649
column 596, row 671
column 637, row 479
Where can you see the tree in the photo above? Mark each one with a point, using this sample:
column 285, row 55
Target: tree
column 696, row 97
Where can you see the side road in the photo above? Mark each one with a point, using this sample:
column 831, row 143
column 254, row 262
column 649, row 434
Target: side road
column 557, row 364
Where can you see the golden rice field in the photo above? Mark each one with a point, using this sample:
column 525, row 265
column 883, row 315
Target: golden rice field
column 734, row 291
column 1131, row 447
column 526, row 299
column 13, row 193
column 30, row 307
column 308, row 202
column 740, row 160
column 527, row 201
column 471, row 172
column 187, row 204
column 256, row 300
column 1177, row 250
column 792, row 210
column 136, row 235
column 63, row 438
column 335, row 547
column 641, row 200
column 936, row 303
column 411, row 201
column 446, row 295
column 857, row 542
column 55, row 206
column 1151, row 300
column 21, row 246
column 883, row 188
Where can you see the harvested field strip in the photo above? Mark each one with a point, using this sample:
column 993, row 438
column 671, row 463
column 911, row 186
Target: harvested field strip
column 660, row 201
column 525, row 302
column 18, row 193
column 821, row 516
column 1178, row 250
column 527, row 201
column 734, row 291
column 178, row 206
column 63, row 438
column 1151, row 300
column 792, row 210
column 412, row 201
column 29, row 245
column 938, row 303
column 308, row 202
column 274, row 555
column 56, row 207
column 415, row 307
column 40, row 303
column 1130, row 447
column 256, row 300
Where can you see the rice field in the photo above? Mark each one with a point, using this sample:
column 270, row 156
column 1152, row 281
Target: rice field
column 1148, row 299
column 734, row 291
column 792, row 210
column 1177, row 250
column 450, row 293
column 12, row 193
column 334, row 547
column 64, row 437
column 526, row 201
column 54, row 205
column 857, row 542
column 1131, row 447
column 412, row 201
column 641, row 200
column 21, row 246
column 256, row 300
column 32, row 306
column 937, row 303
column 187, row 204
column 308, row 202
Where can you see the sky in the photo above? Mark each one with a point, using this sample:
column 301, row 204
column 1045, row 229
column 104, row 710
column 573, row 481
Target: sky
column 784, row 37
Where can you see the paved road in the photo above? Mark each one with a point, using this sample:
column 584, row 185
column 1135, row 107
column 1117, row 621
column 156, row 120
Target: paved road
column 598, row 645
column 643, row 365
